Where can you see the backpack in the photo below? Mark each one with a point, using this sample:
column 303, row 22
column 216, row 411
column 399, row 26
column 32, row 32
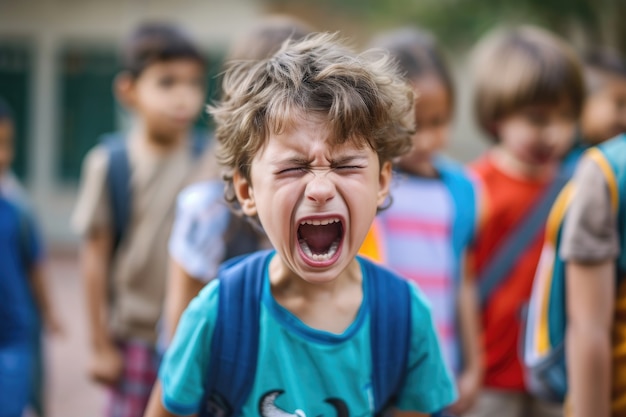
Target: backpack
column 118, row 177
column 235, row 340
column 544, row 335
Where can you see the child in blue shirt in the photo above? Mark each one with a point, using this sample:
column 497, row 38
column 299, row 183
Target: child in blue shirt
column 24, row 300
column 308, row 137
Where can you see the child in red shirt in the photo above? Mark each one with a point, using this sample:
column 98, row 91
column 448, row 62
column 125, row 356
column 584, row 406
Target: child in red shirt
column 528, row 96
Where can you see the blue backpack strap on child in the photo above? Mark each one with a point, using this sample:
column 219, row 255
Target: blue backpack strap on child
column 234, row 349
column 118, row 178
column 463, row 194
column 390, row 321
column 118, row 184
column 501, row 263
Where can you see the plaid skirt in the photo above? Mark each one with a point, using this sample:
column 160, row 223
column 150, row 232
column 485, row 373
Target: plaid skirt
column 130, row 397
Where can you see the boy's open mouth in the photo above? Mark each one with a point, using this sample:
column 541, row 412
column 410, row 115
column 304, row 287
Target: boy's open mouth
column 319, row 239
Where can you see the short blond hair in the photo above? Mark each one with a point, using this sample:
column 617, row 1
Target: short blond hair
column 522, row 66
column 362, row 98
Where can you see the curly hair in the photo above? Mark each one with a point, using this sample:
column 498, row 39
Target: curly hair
column 362, row 98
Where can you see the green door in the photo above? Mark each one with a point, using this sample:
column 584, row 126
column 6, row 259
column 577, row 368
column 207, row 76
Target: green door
column 87, row 104
column 15, row 77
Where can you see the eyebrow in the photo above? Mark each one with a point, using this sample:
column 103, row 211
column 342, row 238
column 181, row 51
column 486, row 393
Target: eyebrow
column 347, row 159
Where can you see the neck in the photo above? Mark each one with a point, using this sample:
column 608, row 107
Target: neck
column 156, row 142
column 515, row 167
column 284, row 281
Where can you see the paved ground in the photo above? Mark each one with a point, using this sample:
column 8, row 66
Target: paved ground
column 70, row 393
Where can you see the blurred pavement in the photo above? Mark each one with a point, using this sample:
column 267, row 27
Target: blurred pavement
column 70, row 393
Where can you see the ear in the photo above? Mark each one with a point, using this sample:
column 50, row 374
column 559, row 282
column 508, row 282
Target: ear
column 124, row 88
column 384, row 183
column 245, row 194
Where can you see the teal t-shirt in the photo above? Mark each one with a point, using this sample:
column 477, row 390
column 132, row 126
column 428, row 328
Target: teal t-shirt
column 302, row 370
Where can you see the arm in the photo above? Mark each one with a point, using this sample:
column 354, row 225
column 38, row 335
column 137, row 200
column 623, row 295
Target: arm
column 106, row 362
column 155, row 406
column 181, row 289
column 470, row 380
column 590, row 303
column 42, row 298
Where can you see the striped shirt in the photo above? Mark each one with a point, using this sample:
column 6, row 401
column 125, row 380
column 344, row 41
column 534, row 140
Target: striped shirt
column 417, row 235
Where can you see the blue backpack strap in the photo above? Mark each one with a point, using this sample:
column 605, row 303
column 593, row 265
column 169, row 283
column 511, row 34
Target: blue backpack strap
column 464, row 198
column 235, row 343
column 521, row 236
column 390, row 332
column 118, row 184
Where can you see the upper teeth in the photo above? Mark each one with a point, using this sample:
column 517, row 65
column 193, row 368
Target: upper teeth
column 320, row 222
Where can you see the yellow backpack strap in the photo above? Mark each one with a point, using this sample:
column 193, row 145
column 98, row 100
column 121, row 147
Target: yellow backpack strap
column 544, row 272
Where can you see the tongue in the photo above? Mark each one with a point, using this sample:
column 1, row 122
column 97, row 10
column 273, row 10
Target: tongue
column 319, row 238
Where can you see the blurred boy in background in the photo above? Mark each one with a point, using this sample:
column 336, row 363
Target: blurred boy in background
column 125, row 233
column 528, row 96
column 24, row 299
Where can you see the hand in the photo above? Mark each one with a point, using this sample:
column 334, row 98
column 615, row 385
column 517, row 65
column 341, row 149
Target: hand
column 468, row 385
column 106, row 364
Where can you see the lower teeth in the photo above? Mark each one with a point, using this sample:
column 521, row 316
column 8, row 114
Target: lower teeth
column 319, row 257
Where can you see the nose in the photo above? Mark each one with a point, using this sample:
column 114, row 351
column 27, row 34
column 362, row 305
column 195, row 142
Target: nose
column 320, row 189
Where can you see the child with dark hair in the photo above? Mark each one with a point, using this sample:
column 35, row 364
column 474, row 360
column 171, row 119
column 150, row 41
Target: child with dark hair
column 309, row 329
column 205, row 231
column 604, row 113
column 125, row 209
column 426, row 243
column 528, row 95
column 24, row 299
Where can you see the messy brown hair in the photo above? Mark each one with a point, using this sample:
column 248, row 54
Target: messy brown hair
column 522, row 66
column 361, row 97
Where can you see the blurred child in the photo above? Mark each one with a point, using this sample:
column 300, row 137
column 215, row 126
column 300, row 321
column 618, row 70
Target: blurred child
column 592, row 246
column 573, row 312
column 308, row 137
column 126, row 206
column 426, row 242
column 24, row 298
column 528, row 96
column 604, row 113
column 206, row 232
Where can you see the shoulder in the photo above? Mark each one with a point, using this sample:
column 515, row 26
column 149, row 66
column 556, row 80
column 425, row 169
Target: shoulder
column 391, row 279
column 420, row 306
column 96, row 160
column 457, row 176
column 196, row 197
column 203, row 308
column 484, row 171
column 206, row 302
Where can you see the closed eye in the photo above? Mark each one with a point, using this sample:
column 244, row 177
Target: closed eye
column 292, row 170
column 347, row 167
